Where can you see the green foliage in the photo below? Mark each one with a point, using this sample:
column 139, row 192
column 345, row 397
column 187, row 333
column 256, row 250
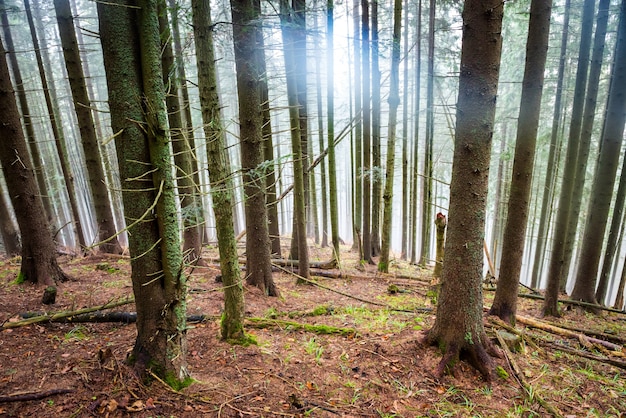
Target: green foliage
column 177, row 384
column 502, row 373
column 20, row 279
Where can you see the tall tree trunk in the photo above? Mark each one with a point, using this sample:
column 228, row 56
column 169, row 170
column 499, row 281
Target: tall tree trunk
column 29, row 129
column 557, row 269
column 320, row 129
column 405, row 140
column 430, row 132
column 57, row 131
column 394, row 102
column 290, row 43
column 584, row 144
column 330, row 97
column 39, row 264
column 246, row 25
column 604, row 178
column 131, row 46
column 459, row 323
column 358, row 131
column 416, row 130
column 377, row 169
column 82, row 105
column 191, row 209
column 548, row 189
column 367, row 134
column 219, row 172
column 505, row 300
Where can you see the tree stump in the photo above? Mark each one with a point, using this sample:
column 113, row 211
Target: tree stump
column 49, row 295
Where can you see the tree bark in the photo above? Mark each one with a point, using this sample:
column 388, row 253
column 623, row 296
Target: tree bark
column 131, row 46
column 82, row 105
column 219, row 173
column 458, row 326
column 604, row 178
column 394, row 102
column 558, row 270
column 290, row 42
column 246, row 25
column 39, row 264
column 505, row 300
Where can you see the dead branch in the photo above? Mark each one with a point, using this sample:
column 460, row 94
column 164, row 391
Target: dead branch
column 574, row 302
column 33, row 396
column 602, row 359
column 566, row 333
column 525, row 385
column 51, row 317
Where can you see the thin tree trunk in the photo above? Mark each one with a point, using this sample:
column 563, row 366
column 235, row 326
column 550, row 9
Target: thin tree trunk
column 219, row 173
column 557, row 268
column 8, row 229
column 320, row 130
column 190, row 207
column 59, row 139
column 405, row 140
column 377, row 169
column 39, row 264
column 29, row 129
column 428, row 149
column 358, row 132
column 246, row 28
column 330, row 105
column 97, row 180
column 604, row 178
column 287, row 17
column 394, row 102
column 367, row 134
column 505, row 300
column 416, row 129
column 584, row 144
column 548, row 189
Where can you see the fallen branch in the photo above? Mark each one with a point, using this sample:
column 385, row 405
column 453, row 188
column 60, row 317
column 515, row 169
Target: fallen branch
column 584, row 354
column 51, row 317
column 317, row 329
column 33, row 396
column 574, row 302
column 99, row 317
column 532, row 394
column 499, row 322
column 567, row 333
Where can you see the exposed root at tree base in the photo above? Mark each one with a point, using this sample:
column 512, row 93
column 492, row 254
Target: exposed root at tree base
column 478, row 355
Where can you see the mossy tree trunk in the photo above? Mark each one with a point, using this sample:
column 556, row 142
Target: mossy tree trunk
column 131, row 46
column 330, row 97
column 190, row 206
column 394, row 102
column 290, row 40
column 459, row 324
column 219, row 172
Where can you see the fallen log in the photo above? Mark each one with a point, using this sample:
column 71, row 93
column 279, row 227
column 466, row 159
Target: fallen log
column 33, row 396
column 51, row 317
column 567, row 333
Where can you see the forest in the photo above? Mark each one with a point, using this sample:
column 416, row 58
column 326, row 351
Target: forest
column 411, row 208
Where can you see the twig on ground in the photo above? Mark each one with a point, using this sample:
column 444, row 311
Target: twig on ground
column 33, row 396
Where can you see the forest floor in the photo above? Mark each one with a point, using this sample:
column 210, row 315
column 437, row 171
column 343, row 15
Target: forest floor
column 381, row 369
